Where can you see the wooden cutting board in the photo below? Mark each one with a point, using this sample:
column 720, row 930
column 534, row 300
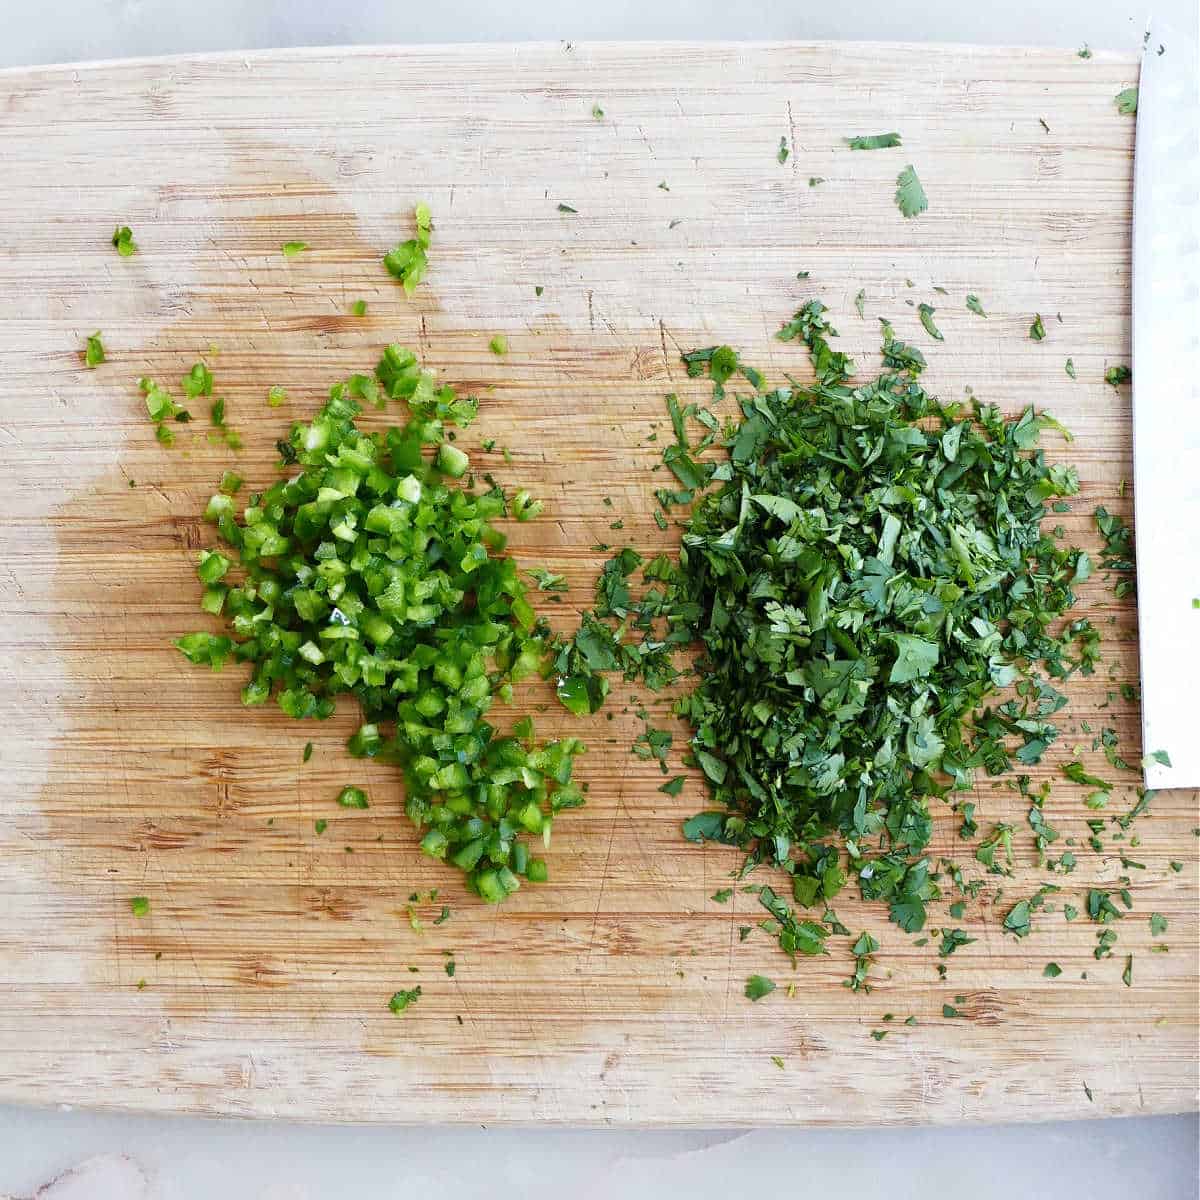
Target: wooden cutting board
column 259, row 982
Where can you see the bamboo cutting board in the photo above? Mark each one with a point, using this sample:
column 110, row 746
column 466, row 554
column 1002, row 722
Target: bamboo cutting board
column 258, row 984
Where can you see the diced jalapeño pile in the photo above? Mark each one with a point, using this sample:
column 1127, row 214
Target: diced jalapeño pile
column 374, row 572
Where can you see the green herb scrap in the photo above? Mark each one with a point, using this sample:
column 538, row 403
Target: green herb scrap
column 925, row 312
column 758, row 986
column 910, row 195
column 1127, row 101
column 874, row 141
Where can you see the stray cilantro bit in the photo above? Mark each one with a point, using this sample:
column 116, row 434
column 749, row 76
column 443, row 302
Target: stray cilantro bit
column 359, row 308
column 925, row 312
column 597, row 113
column 1127, row 974
column 122, row 238
column 1127, row 101
column 139, row 906
column 498, row 345
column 308, row 749
column 93, row 354
column 1084, row 52
column 874, row 141
column 673, row 786
column 320, row 825
column 407, row 261
column 815, row 180
column 722, row 896
column 404, row 999
column 1118, row 550
column 781, row 155
column 1158, row 924
column 777, row 1061
column 538, row 290
column 276, row 396
column 974, row 304
column 863, row 950
column 566, row 208
column 1157, row 756
column 1017, row 919
column 547, row 581
column 910, row 195
column 757, row 986
column 1115, row 376
column 1037, row 331
column 952, row 939
column 859, row 301
column 948, row 1010
column 291, row 249
column 1051, row 970
column 1070, row 368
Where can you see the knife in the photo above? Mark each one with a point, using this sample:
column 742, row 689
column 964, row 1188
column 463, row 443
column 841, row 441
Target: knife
column 1166, row 405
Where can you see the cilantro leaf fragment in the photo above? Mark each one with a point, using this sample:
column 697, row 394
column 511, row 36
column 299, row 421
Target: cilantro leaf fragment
column 975, row 305
column 925, row 312
column 910, row 195
column 292, row 249
column 1037, row 331
column 873, row 141
column 758, row 986
column 1127, row 101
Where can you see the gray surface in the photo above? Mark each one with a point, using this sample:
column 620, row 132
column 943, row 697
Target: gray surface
column 177, row 1159
column 1152, row 1159
column 70, row 30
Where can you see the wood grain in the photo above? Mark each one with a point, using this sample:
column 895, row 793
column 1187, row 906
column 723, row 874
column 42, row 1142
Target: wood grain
column 613, row 993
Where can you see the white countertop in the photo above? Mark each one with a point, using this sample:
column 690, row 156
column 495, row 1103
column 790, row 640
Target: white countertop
column 97, row 1156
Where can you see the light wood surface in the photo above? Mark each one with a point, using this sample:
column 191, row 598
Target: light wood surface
column 614, row 992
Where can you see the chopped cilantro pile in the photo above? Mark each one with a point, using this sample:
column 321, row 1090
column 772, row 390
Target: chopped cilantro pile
column 371, row 571
column 864, row 570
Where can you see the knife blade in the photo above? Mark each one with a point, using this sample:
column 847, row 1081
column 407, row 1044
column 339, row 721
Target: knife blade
column 1166, row 405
